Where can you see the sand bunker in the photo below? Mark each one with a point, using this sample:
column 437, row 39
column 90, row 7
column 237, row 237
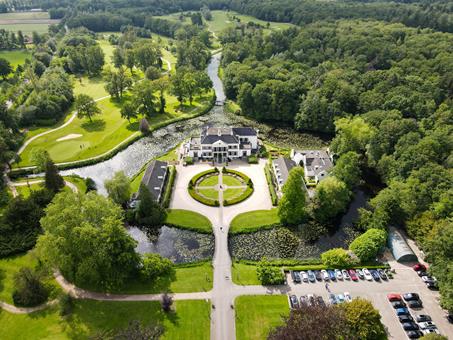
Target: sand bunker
column 70, row 136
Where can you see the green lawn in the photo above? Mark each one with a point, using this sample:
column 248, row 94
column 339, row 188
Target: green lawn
column 190, row 320
column 231, row 180
column 244, row 274
column 209, row 193
column 257, row 315
column 26, row 29
column 254, row 219
column 9, row 266
column 231, row 193
column 189, row 219
column 103, row 134
column 25, row 190
column 15, row 57
column 195, row 277
column 78, row 182
column 27, row 22
column 209, row 181
column 24, row 16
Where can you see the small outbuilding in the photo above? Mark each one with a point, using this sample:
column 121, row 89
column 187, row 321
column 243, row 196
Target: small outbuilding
column 399, row 247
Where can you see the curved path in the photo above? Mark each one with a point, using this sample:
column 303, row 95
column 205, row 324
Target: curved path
column 26, row 310
column 13, row 185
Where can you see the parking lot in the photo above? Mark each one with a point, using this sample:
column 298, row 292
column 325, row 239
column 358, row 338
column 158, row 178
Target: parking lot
column 405, row 281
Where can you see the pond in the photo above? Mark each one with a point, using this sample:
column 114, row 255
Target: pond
column 178, row 245
column 279, row 244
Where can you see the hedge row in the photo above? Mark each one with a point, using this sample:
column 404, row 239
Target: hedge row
column 242, row 197
column 255, row 229
column 202, row 199
column 245, row 178
column 122, row 146
column 270, row 184
column 197, row 177
column 169, row 187
column 178, row 226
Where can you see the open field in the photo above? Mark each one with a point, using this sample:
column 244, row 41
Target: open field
column 254, row 219
column 15, row 57
column 27, row 22
column 189, row 320
column 188, row 219
column 244, row 274
column 209, row 181
column 257, row 315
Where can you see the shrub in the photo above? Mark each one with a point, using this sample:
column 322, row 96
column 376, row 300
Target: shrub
column 338, row 258
column 66, row 305
column 367, row 245
column 154, row 265
column 188, row 160
column 252, row 159
column 271, row 186
column 198, row 176
column 166, row 302
column 29, row 290
column 268, row 274
column 169, row 187
column 144, row 126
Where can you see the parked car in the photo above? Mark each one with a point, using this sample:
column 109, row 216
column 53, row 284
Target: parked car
column 345, row 274
column 325, row 275
column 320, row 301
column 375, row 275
column 402, row 311
column 318, row 275
column 382, row 274
column 430, row 330
column 303, row 300
column 347, row 297
column 419, row 266
column 304, row 276
column 432, row 285
column 331, row 275
column 332, row 299
column 338, row 274
column 410, row 326
column 311, row 299
column 398, row 304
column 414, row 334
column 411, row 296
column 405, row 318
column 428, row 278
column 340, row 298
column 427, row 324
column 450, row 318
column 293, row 301
column 367, row 274
column 422, row 273
column 311, row 276
column 422, row 318
column 295, row 276
column 415, row 304
column 353, row 275
column 360, row 274
column 393, row 297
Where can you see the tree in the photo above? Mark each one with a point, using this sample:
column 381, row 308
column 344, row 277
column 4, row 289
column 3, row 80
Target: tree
column 5, row 68
column 291, row 208
column 166, row 302
column 128, row 111
column 28, row 291
column 347, row 169
column 39, row 157
column 144, row 97
column 331, row 198
column 352, row 134
column 136, row 331
column 86, row 106
column 53, row 181
column 84, row 237
column 161, row 85
column 367, row 245
column 149, row 212
column 312, row 322
column 117, row 82
column 153, row 266
column 363, row 320
column 119, row 188
column 338, row 258
column 147, row 55
column 268, row 274
column 152, row 73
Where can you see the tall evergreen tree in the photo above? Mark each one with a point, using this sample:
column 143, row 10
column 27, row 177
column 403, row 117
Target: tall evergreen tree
column 291, row 208
column 53, row 180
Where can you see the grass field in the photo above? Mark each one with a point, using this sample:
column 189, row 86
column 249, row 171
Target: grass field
column 254, row 219
column 195, row 277
column 231, row 180
column 257, row 315
column 209, row 193
column 209, row 181
column 244, row 274
column 27, row 22
column 16, row 57
column 25, row 190
column 188, row 219
column 231, row 193
column 190, row 320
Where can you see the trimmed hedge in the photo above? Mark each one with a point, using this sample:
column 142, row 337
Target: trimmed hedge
column 270, row 184
column 242, row 197
column 255, row 229
column 17, row 172
column 311, row 264
column 202, row 199
column 198, row 176
column 169, row 187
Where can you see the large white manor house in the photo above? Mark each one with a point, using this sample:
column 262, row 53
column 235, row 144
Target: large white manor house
column 222, row 144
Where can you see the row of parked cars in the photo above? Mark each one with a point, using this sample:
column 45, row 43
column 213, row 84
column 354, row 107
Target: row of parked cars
column 415, row 325
column 313, row 300
column 340, row 275
column 430, row 281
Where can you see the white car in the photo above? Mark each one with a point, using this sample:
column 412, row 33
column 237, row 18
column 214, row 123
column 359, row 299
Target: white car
column 346, row 274
column 304, row 276
column 427, row 324
column 338, row 274
column 347, row 297
column 325, row 275
column 367, row 274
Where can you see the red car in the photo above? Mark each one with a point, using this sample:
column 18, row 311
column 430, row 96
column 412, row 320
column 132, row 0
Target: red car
column 419, row 267
column 394, row 297
column 353, row 275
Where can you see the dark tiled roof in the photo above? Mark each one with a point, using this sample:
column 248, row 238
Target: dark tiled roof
column 154, row 177
column 211, row 139
column 244, row 131
column 284, row 165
